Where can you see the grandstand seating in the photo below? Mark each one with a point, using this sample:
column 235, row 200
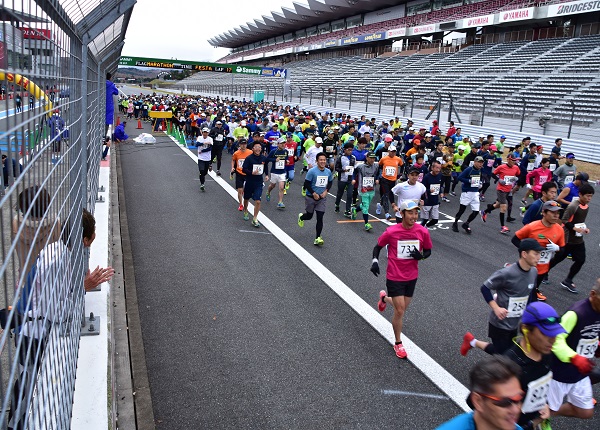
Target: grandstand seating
column 547, row 74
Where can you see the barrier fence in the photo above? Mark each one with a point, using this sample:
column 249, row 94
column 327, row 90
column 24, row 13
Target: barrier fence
column 53, row 60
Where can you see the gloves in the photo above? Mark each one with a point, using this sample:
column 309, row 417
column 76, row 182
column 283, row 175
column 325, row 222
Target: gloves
column 416, row 254
column 501, row 181
column 583, row 365
column 552, row 246
column 375, row 267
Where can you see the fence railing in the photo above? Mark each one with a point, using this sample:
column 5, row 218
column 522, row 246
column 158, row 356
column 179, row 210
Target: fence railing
column 52, row 111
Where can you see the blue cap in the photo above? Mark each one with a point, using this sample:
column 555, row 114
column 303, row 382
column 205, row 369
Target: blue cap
column 408, row 205
column 503, row 137
column 351, row 138
column 544, row 317
column 289, row 134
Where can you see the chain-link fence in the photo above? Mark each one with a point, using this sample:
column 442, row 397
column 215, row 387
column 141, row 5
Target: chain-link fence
column 53, row 60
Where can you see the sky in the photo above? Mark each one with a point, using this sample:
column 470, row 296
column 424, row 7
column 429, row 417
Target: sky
column 180, row 28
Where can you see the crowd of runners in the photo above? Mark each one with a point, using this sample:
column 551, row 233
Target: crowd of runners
column 540, row 362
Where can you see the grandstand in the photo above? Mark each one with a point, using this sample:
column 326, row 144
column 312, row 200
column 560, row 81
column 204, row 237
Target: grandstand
column 534, row 66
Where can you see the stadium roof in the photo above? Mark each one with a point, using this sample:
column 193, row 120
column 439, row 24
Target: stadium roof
column 309, row 14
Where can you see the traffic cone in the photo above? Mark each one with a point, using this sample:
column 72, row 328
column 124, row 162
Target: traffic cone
column 139, row 127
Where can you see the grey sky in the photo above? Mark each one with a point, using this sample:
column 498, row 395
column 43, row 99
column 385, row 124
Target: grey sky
column 180, row 28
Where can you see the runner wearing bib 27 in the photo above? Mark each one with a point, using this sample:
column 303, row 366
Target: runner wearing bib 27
column 407, row 243
column 548, row 234
column 513, row 285
column 540, row 325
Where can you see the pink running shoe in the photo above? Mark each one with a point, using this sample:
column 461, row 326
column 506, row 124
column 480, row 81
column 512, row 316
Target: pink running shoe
column 381, row 304
column 400, row 351
column 466, row 344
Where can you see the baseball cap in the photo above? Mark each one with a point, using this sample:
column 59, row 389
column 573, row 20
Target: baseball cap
column 391, row 148
column 493, row 148
column 530, row 245
column 570, row 155
column 218, row 122
column 205, row 129
column 482, row 135
column 289, row 134
column 242, row 141
column 318, row 139
column 503, row 137
column 477, row 145
column 478, row 158
column 351, row 139
column 582, row 176
column 409, row 205
column 512, row 157
column 413, row 170
column 428, row 135
column 330, row 131
column 411, row 129
column 551, row 205
column 461, row 148
column 388, row 138
column 371, row 154
column 243, row 123
column 544, row 317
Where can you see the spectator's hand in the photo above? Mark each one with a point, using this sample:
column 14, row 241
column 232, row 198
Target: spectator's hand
column 97, row 277
column 375, row 267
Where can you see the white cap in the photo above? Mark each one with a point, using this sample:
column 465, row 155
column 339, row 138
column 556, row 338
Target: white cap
column 461, row 148
column 428, row 135
column 391, row 148
column 318, row 140
column 482, row 135
column 205, row 129
column 411, row 128
column 243, row 123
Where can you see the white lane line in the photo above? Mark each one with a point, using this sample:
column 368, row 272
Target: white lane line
column 254, row 231
column 447, row 383
column 410, row 393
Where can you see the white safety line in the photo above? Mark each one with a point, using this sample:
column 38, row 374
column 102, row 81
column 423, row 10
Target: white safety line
column 410, row 393
column 447, row 383
column 256, row 232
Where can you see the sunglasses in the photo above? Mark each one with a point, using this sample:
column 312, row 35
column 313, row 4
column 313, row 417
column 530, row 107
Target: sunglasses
column 504, row 402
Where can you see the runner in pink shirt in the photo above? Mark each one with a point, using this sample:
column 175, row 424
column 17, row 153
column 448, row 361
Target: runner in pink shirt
column 540, row 176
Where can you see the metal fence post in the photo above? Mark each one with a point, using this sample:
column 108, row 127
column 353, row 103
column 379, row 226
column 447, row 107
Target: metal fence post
column 310, row 99
column 322, row 96
column 395, row 100
column 522, row 114
column 412, row 102
column 350, row 101
column 267, row 97
column 483, row 112
column 335, row 99
column 380, row 100
column 367, row 102
column 439, row 111
column 300, row 93
column 572, row 116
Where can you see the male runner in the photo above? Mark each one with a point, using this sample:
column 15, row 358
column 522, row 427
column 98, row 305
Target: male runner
column 365, row 176
column 534, row 210
column 204, row 144
column 431, row 207
column 390, row 169
column 471, row 182
column 237, row 161
column 255, row 166
column 565, row 174
column 412, row 189
column 407, row 243
column 507, row 175
column 278, row 157
column 344, row 166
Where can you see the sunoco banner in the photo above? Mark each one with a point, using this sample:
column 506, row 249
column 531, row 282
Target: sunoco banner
column 582, row 6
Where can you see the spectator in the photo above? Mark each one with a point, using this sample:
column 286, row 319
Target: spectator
column 111, row 90
column 120, row 134
column 16, row 169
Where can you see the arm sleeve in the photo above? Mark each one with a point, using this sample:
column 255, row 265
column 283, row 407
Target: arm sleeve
column 426, row 253
column 308, row 187
column 338, row 164
column 516, row 241
column 561, row 350
column 376, row 251
column 487, row 294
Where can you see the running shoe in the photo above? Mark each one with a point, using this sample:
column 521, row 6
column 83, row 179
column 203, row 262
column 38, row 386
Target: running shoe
column 387, row 216
column 400, row 351
column 231, row 177
column 300, row 220
column 446, row 199
column 378, row 209
column 511, row 219
column 303, row 192
column 353, row 213
column 482, row 198
column 382, row 304
column 466, row 343
column 569, row 256
column 246, row 216
column 483, row 215
column 202, row 187
column 523, row 210
column 319, row 241
column 348, row 214
column 452, row 193
column 569, row 286
column 545, row 425
column 280, row 205
column 524, row 201
column 218, row 173
column 368, row 227
column 466, row 228
column 504, row 230
column 337, row 209
column 287, row 185
column 455, row 227
column 285, row 191
column 540, row 296
column 240, row 207
column 268, row 196
column 255, row 223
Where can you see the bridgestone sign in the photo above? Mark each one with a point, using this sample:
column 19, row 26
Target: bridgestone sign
column 571, row 8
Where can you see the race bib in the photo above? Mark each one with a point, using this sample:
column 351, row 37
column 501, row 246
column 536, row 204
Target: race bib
column 579, row 225
column 405, row 247
column 552, row 167
column 219, row 137
column 329, row 149
column 358, row 163
column 368, row 182
column 440, row 159
column 321, row 181
column 350, row 170
column 471, row 163
column 384, row 154
column 587, row 347
column 516, row 306
column 490, row 162
column 510, row 180
column 434, row 189
column 475, row 181
column 390, row 171
column 240, row 164
column 543, row 180
column 530, row 166
column 459, row 161
column 537, row 394
column 569, row 179
column 280, row 164
column 257, row 169
column 290, row 152
column 545, row 256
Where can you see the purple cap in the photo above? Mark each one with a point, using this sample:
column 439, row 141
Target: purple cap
column 544, row 317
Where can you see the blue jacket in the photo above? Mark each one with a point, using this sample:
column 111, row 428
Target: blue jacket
column 120, row 132
column 111, row 90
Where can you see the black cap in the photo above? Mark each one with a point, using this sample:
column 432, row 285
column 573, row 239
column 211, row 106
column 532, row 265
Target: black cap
column 413, row 170
column 530, row 245
column 582, row 176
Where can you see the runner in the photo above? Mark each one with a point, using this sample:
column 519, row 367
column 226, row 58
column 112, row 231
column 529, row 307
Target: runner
column 571, row 190
column 431, row 208
column 237, row 162
column 407, row 243
column 507, row 175
column 366, row 176
column 549, row 234
column 458, row 161
column 389, row 169
column 291, row 146
column 513, row 285
column 204, row 144
column 317, row 184
column 344, row 166
column 255, row 165
column 536, row 178
column 565, row 174
column 330, row 145
column 412, row 189
column 278, row 157
column 575, row 229
column 218, row 135
column 310, row 157
column 574, row 351
column 471, row 182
